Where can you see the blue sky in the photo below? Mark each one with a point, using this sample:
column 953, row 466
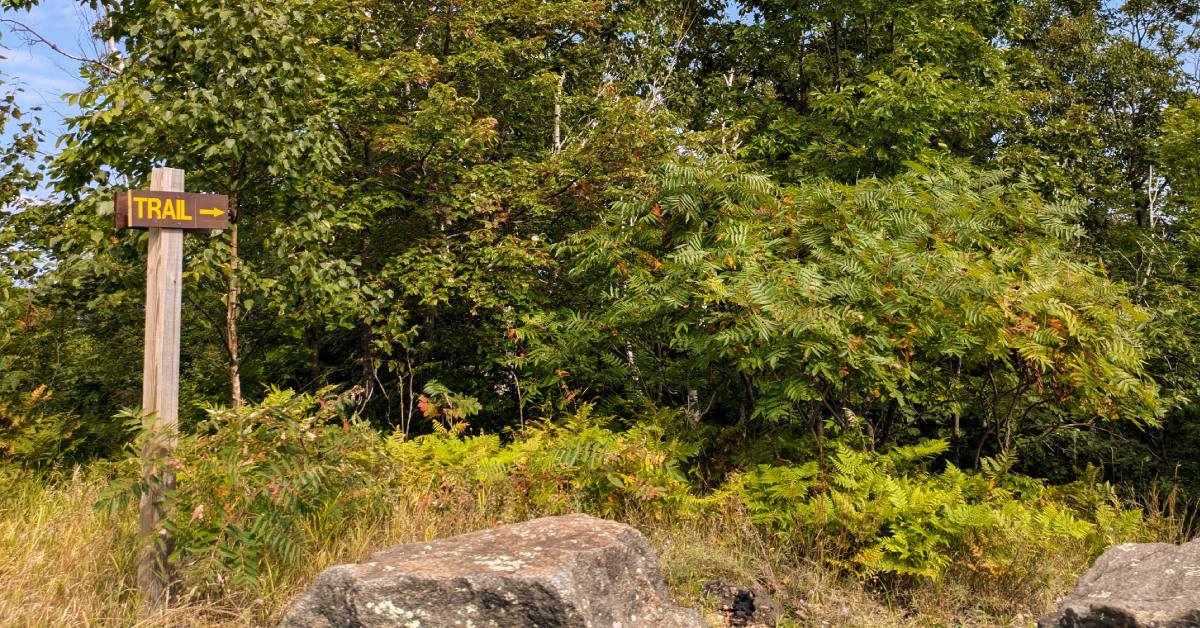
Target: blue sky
column 44, row 75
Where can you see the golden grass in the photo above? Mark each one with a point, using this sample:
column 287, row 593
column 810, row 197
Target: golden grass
column 62, row 563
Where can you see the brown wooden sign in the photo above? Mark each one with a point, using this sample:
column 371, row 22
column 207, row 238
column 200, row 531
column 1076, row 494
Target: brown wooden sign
column 141, row 209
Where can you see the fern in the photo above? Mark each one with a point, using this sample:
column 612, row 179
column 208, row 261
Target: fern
column 884, row 513
column 257, row 482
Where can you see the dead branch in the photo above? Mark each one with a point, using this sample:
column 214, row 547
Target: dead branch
column 31, row 36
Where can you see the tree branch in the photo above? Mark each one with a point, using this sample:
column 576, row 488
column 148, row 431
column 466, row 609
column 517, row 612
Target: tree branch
column 32, row 36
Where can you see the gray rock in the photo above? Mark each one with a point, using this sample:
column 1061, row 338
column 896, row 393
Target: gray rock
column 1136, row 585
column 573, row 570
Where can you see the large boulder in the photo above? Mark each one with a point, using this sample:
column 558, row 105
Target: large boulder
column 573, row 570
column 1136, row 585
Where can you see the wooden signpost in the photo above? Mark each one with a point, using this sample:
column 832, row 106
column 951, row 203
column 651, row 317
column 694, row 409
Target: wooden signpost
column 172, row 210
column 167, row 211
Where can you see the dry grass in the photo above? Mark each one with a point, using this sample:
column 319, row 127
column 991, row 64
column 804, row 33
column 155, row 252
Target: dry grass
column 64, row 563
column 696, row 552
column 61, row 563
column 1171, row 516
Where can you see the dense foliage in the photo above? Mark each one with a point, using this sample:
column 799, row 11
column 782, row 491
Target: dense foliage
column 259, row 483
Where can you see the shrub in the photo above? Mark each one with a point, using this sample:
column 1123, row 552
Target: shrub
column 32, row 435
column 886, row 513
column 867, row 513
column 946, row 300
column 255, row 484
column 262, row 489
column 577, row 464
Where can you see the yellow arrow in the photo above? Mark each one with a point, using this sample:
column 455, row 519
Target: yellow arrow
column 211, row 212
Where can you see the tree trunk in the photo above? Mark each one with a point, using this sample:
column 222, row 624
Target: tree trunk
column 313, row 337
column 558, row 112
column 693, row 412
column 367, row 355
column 231, row 310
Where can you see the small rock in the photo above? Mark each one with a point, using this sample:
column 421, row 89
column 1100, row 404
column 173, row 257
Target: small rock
column 1136, row 585
column 553, row 572
column 743, row 607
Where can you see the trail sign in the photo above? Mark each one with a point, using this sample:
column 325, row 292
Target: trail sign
column 167, row 211
column 142, row 209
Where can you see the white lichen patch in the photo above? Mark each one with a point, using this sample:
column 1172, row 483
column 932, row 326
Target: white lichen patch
column 1101, row 594
column 502, row 563
column 388, row 609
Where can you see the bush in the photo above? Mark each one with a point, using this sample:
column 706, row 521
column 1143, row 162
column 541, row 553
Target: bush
column 870, row 514
column 34, row 436
column 945, row 302
column 578, row 464
column 256, row 484
column 263, row 491
column 886, row 513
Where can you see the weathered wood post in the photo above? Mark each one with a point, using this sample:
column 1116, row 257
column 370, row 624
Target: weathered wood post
column 160, row 392
column 167, row 211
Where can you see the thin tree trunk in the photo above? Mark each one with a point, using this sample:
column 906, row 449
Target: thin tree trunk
column 693, row 413
column 231, row 310
column 558, row 112
column 313, row 336
column 367, row 375
column 366, row 351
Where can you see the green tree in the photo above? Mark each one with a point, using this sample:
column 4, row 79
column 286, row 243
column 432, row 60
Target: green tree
column 478, row 134
column 229, row 92
column 944, row 300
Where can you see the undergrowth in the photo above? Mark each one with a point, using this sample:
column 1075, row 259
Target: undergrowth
column 270, row 495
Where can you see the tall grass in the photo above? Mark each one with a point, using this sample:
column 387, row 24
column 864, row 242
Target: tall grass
column 65, row 563
column 60, row 562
